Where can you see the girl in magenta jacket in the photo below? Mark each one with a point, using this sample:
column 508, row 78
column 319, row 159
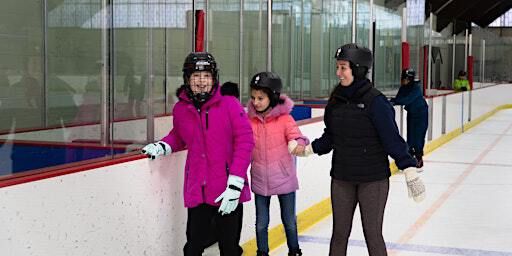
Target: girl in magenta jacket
column 216, row 131
column 273, row 170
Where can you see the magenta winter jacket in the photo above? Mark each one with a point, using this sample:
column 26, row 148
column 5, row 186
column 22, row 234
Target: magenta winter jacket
column 219, row 142
column 273, row 170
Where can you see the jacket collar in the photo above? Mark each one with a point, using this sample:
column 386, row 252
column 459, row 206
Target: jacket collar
column 275, row 112
column 354, row 91
column 216, row 96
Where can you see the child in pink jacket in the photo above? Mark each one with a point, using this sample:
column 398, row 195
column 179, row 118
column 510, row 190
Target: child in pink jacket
column 273, row 170
column 216, row 132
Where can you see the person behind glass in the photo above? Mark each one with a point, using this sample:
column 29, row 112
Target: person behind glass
column 361, row 131
column 216, row 131
column 230, row 89
column 136, row 92
column 273, row 170
column 461, row 83
column 411, row 97
column 32, row 90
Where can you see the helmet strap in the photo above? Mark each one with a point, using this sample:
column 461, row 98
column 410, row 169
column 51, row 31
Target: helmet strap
column 200, row 98
column 265, row 110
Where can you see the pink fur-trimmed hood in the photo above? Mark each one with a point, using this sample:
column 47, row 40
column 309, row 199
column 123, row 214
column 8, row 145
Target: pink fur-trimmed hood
column 280, row 109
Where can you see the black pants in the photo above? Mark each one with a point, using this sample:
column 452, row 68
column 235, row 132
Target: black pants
column 228, row 230
column 371, row 197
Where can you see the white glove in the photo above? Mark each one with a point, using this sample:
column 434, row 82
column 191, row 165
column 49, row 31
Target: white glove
column 231, row 195
column 292, row 144
column 308, row 150
column 415, row 186
column 159, row 148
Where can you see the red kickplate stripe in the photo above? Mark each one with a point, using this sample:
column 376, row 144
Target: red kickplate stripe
column 50, row 172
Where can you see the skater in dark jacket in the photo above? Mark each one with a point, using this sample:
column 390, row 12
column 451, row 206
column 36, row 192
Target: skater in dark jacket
column 411, row 97
column 361, row 132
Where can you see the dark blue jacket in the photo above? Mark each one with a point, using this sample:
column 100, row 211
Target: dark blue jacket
column 411, row 97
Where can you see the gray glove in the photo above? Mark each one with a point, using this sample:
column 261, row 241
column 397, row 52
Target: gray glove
column 159, row 148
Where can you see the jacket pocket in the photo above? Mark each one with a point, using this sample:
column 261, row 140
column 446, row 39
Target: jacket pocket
column 285, row 167
column 187, row 170
column 281, row 175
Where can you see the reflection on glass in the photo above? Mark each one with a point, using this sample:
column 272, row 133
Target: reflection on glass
column 223, row 37
column 21, row 80
column 150, row 42
column 255, row 42
column 363, row 22
column 441, row 62
column 387, row 52
column 336, row 31
column 21, row 74
column 286, row 35
column 497, row 56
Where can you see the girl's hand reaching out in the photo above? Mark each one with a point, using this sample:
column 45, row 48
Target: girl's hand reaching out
column 299, row 150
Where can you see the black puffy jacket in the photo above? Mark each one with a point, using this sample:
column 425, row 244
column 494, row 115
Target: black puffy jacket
column 358, row 137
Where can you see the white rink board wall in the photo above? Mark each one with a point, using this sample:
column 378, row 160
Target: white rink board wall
column 133, row 208
column 136, row 208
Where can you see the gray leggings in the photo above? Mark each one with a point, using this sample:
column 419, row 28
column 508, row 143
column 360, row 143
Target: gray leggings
column 372, row 197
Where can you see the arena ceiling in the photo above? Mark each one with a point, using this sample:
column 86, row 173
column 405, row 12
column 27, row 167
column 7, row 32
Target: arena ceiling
column 462, row 12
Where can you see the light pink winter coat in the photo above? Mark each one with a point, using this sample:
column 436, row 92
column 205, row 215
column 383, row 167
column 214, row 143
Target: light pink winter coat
column 273, row 170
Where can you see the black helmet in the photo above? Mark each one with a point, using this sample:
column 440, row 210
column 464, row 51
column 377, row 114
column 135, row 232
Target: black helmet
column 200, row 61
column 270, row 83
column 408, row 74
column 268, row 80
column 357, row 55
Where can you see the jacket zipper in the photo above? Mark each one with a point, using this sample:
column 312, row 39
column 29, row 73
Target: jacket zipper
column 265, row 152
column 203, row 154
column 202, row 194
column 207, row 118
